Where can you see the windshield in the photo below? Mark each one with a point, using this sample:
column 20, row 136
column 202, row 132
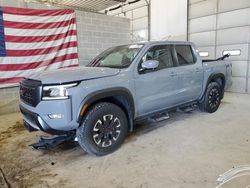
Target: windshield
column 116, row 57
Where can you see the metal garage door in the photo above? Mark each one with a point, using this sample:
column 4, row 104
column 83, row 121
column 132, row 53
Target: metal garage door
column 221, row 26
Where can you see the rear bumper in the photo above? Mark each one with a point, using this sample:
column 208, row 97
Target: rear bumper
column 33, row 122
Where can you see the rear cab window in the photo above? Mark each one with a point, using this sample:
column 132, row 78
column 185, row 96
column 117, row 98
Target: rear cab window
column 185, row 55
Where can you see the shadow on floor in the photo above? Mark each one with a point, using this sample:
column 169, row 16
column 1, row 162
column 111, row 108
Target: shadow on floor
column 140, row 129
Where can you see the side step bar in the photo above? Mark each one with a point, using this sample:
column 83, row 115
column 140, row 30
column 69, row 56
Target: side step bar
column 159, row 117
column 164, row 115
column 187, row 109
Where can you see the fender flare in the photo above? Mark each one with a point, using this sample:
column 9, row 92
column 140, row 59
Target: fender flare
column 214, row 76
column 210, row 78
column 110, row 92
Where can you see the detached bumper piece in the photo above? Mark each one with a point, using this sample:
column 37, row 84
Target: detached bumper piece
column 50, row 142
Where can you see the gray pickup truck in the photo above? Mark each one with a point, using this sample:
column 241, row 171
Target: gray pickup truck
column 100, row 103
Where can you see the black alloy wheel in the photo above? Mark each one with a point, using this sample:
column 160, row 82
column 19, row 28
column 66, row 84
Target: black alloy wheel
column 103, row 129
column 212, row 98
column 106, row 130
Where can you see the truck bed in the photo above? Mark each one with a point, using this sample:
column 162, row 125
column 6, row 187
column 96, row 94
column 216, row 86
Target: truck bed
column 218, row 66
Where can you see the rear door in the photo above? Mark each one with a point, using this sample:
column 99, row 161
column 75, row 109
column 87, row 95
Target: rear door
column 190, row 73
column 157, row 89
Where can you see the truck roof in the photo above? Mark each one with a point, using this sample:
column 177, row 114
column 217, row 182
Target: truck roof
column 165, row 42
column 149, row 43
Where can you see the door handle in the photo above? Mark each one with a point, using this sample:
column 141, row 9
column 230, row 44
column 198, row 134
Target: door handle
column 172, row 74
column 197, row 70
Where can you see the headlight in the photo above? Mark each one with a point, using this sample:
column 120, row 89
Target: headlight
column 56, row 91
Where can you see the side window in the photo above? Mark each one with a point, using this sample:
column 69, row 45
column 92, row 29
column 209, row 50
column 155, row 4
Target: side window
column 160, row 53
column 184, row 54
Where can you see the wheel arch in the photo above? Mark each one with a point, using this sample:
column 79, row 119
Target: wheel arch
column 216, row 77
column 120, row 96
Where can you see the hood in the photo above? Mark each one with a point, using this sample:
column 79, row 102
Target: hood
column 73, row 74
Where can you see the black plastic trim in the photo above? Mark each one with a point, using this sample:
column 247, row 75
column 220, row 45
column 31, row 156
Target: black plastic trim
column 210, row 78
column 111, row 92
column 215, row 76
column 29, row 127
column 32, row 87
column 43, row 126
column 218, row 59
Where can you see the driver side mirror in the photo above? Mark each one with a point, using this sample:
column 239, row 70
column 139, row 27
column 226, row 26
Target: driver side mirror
column 149, row 65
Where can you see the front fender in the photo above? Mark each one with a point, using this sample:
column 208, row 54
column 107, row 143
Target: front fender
column 105, row 93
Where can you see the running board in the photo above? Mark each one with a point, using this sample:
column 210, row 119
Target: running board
column 50, row 142
column 159, row 117
column 187, row 109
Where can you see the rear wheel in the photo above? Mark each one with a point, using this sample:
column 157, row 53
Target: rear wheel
column 211, row 98
column 103, row 130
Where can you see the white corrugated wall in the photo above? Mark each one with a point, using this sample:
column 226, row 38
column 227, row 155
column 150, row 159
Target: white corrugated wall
column 222, row 25
column 138, row 15
column 168, row 19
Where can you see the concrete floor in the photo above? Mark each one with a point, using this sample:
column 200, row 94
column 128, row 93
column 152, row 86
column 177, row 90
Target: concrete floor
column 187, row 150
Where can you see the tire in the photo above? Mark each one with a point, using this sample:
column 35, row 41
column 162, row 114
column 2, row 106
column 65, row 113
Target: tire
column 103, row 129
column 212, row 98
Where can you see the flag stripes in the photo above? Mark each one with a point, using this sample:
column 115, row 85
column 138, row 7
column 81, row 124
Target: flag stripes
column 37, row 12
column 39, row 45
column 38, row 58
column 33, row 65
column 25, row 25
column 33, row 40
column 29, row 39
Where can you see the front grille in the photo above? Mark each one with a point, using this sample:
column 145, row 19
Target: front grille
column 30, row 91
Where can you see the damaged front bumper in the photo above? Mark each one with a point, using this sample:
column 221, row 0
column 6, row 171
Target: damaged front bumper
column 33, row 122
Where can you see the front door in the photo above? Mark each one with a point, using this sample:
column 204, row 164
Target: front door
column 157, row 89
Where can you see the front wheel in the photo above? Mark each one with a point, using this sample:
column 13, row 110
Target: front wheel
column 212, row 98
column 103, row 130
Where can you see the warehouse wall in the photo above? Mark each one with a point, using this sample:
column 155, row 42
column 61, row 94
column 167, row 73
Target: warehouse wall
column 221, row 25
column 96, row 32
column 138, row 15
column 169, row 20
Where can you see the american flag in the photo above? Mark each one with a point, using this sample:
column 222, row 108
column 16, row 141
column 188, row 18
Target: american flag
column 33, row 40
